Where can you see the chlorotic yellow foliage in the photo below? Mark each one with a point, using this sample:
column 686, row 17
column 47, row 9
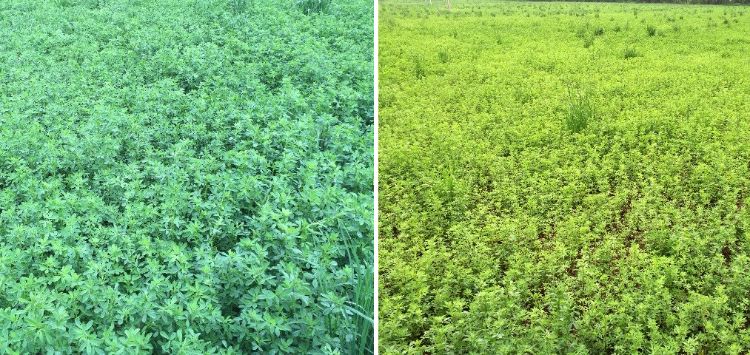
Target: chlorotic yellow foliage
column 564, row 178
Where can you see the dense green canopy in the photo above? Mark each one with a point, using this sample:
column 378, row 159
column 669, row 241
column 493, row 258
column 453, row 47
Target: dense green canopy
column 186, row 176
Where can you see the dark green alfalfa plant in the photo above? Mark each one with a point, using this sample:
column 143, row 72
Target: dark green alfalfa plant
column 313, row 6
column 580, row 111
column 582, row 31
column 588, row 35
column 588, row 41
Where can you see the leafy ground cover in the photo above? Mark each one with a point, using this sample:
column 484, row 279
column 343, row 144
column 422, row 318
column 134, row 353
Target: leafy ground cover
column 186, row 176
column 564, row 178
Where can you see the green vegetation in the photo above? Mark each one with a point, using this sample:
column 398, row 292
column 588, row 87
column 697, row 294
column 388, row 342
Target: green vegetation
column 186, row 176
column 446, row 3
column 540, row 196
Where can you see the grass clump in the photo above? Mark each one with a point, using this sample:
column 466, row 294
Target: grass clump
column 631, row 52
column 313, row 6
column 239, row 6
column 420, row 72
column 443, row 57
column 580, row 111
